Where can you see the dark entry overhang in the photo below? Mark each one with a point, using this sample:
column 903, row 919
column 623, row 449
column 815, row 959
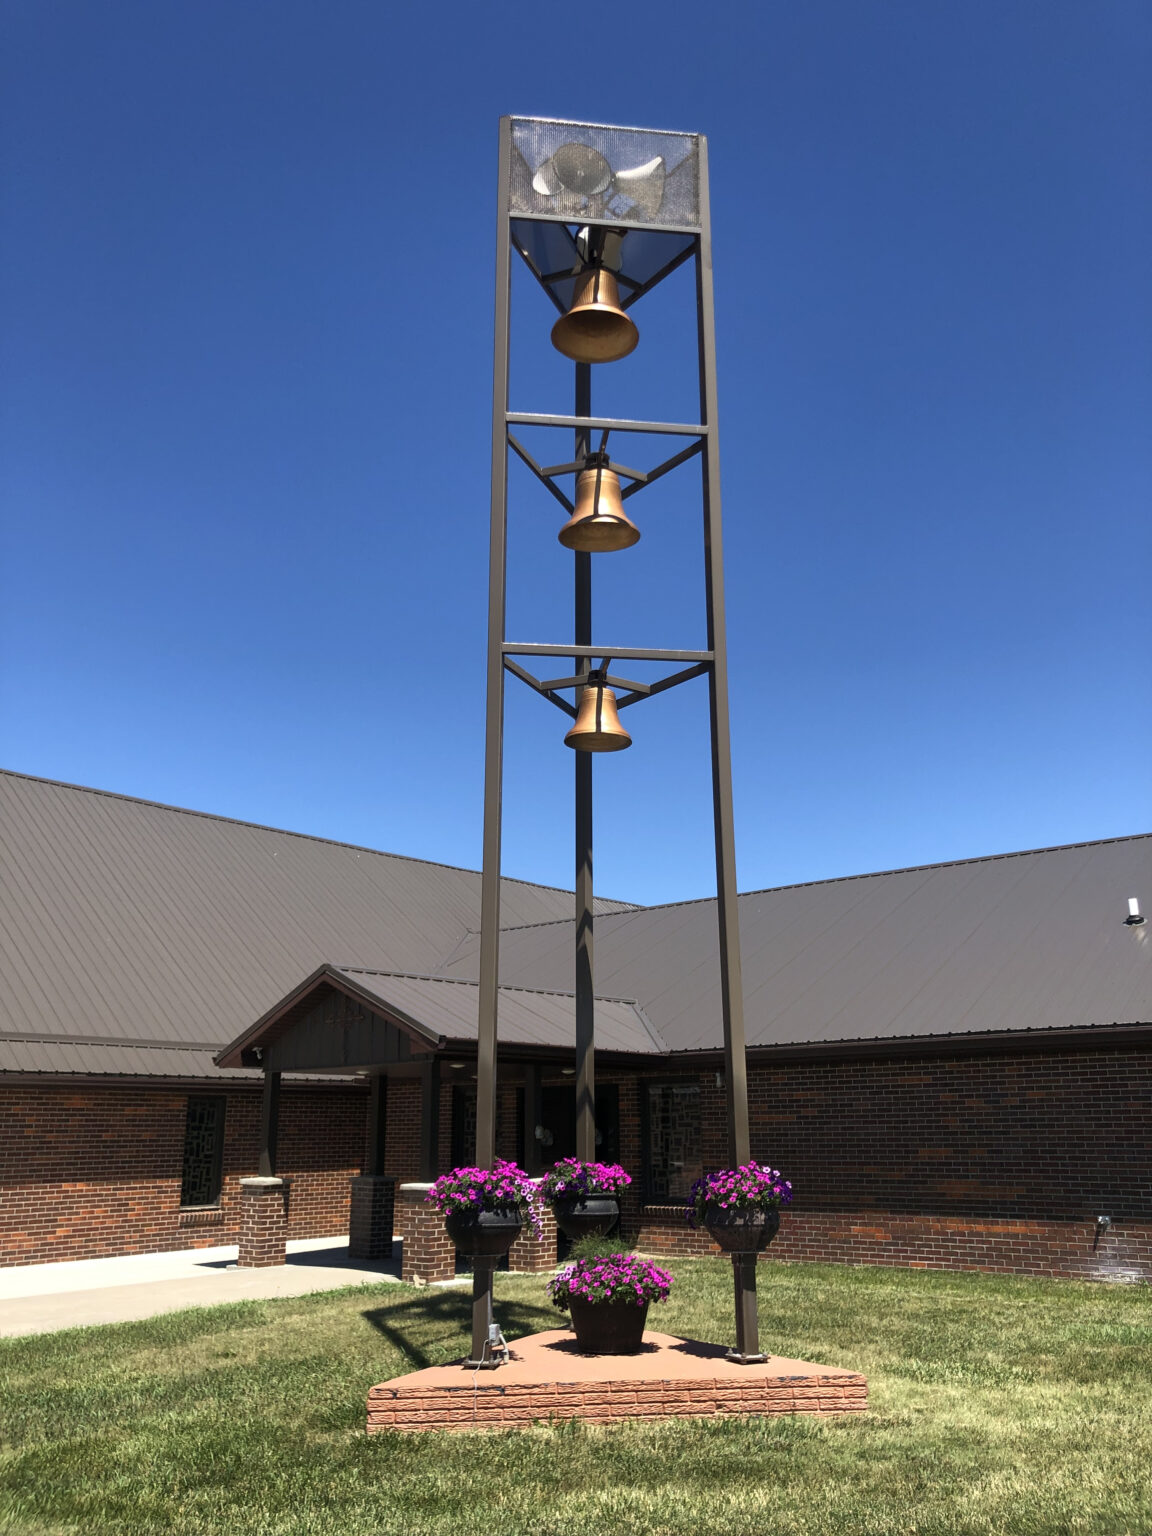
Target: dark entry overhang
column 345, row 1018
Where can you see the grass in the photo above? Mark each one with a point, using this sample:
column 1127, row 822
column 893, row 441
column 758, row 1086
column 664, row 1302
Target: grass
column 998, row 1405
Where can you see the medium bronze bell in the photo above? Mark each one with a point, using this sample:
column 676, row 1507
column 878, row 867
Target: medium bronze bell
column 597, row 727
column 599, row 523
column 595, row 329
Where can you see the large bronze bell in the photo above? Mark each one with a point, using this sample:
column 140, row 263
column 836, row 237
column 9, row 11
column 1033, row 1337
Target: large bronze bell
column 597, row 727
column 599, row 523
column 595, row 329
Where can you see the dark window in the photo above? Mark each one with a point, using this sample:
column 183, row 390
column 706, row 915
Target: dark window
column 203, row 1152
column 462, row 1149
column 672, row 1141
column 558, row 1122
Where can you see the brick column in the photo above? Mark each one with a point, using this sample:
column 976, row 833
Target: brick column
column 531, row 1256
column 428, row 1251
column 370, row 1218
column 263, row 1223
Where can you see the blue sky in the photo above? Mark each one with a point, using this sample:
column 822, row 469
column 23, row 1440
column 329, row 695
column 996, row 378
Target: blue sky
column 246, row 281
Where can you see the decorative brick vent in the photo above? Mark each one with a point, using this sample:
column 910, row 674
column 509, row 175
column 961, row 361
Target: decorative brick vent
column 671, row 1378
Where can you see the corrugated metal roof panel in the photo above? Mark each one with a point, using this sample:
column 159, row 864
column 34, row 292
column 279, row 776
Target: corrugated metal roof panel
column 122, row 918
column 523, row 1017
column 92, row 1057
column 1022, row 941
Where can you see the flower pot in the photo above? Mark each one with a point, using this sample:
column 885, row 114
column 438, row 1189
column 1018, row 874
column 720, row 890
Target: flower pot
column 608, row 1327
column 580, row 1216
column 483, row 1234
column 741, row 1231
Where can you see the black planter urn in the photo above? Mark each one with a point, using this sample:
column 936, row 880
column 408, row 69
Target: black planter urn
column 741, row 1231
column 608, row 1327
column 591, row 1215
column 483, row 1234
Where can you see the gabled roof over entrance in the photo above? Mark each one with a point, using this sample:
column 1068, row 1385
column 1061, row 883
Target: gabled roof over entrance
column 346, row 1017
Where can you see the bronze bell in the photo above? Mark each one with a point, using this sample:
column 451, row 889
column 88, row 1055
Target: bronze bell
column 599, row 523
column 597, row 727
column 595, row 329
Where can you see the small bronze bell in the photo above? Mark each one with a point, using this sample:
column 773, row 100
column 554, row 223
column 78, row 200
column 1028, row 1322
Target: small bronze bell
column 599, row 523
column 597, row 727
column 595, row 329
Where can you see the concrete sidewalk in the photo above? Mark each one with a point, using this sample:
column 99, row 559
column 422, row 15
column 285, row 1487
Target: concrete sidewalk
column 42, row 1298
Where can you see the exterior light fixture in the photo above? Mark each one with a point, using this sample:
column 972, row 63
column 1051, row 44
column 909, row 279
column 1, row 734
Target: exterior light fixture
column 578, row 179
column 1135, row 917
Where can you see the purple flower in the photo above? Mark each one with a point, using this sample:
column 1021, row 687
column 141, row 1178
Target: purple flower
column 501, row 1188
column 751, row 1187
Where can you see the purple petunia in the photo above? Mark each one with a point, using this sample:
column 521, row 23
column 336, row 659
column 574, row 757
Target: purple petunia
column 610, row 1277
column 751, row 1187
column 504, row 1187
column 571, row 1179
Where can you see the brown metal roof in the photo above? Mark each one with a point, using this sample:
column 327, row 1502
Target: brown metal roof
column 122, row 919
column 524, row 1017
column 1026, row 941
column 440, row 1013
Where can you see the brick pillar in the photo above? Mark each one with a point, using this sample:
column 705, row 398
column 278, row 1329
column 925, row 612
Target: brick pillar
column 370, row 1218
column 530, row 1255
column 428, row 1252
column 263, row 1223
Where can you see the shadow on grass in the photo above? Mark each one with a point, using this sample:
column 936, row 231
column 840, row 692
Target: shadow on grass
column 423, row 1328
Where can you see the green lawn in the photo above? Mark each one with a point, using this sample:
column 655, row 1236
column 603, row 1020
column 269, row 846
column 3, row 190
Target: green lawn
column 997, row 1405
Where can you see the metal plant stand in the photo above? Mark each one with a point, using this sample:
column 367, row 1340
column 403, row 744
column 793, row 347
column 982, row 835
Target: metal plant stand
column 601, row 216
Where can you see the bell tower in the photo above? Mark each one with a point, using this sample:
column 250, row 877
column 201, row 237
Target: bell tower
column 601, row 216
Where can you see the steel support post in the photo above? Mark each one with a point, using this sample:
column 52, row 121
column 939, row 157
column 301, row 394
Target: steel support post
column 377, row 1123
column 731, row 983
column 585, row 1026
column 269, row 1124
column 493, row 737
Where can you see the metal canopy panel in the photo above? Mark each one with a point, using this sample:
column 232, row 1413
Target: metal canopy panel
column 526, row 1017
column 604, row 175
column 551, row 253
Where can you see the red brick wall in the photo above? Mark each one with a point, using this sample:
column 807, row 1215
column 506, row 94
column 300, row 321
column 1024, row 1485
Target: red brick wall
column 996, row 1162
column 993, row 1162
column 87, row 1172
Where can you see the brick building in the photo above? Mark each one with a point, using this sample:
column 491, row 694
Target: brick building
column 952, row 1063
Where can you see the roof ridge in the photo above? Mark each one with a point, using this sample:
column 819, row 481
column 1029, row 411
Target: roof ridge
column 869, row 874
column 461, row 981
column 262, row 826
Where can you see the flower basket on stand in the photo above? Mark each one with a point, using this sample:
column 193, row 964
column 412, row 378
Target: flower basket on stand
column 485, row 1208
column 608, row 1299
column 585, row 1197
column 740, row 1208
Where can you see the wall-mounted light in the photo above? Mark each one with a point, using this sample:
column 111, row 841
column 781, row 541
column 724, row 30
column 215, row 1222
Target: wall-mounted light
column 1134, row 915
